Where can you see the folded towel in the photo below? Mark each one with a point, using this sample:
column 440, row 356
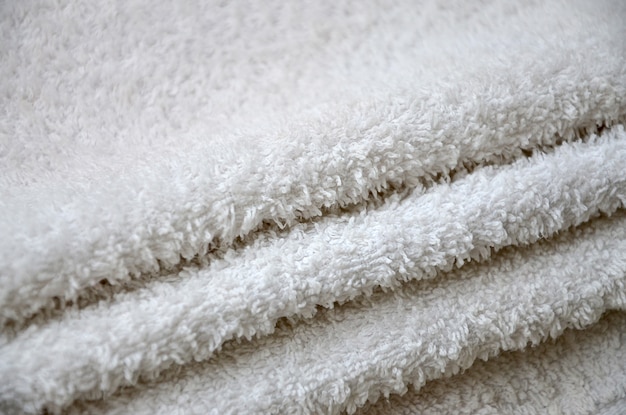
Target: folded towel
column 212, row 207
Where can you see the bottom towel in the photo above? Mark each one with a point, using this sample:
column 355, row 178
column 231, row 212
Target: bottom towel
column 583, row 372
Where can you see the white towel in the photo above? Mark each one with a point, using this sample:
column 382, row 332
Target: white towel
column 200, row 202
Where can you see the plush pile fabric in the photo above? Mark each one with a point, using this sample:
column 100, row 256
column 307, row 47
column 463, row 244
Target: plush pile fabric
column 313, row 207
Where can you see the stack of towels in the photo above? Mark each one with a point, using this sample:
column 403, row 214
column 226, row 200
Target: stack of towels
column 313, row 207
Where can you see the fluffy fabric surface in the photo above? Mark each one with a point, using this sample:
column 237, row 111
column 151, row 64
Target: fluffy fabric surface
column 291, row 207
column 581, row 373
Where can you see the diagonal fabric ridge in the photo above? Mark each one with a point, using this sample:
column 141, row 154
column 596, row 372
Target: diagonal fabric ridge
column 582, row 373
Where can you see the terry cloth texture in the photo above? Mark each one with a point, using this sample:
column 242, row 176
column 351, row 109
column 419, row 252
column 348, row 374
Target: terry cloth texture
column 577, row 374
column 303, row 207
